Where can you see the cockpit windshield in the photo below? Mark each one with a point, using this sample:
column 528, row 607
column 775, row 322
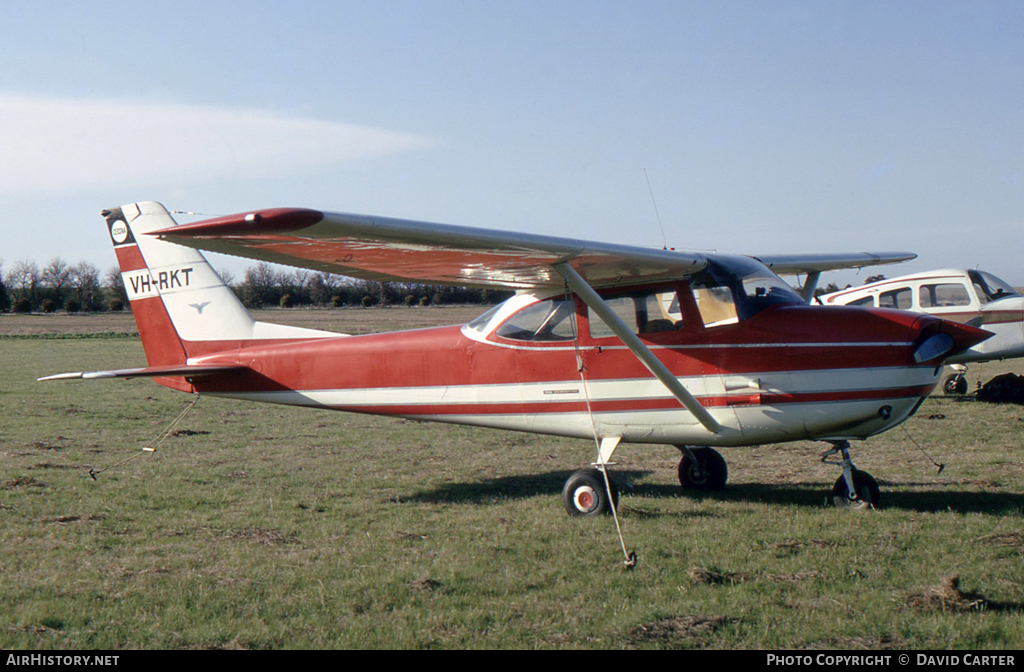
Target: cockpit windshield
column 990, row 288
column 731, row 289
column 549, row 320
column 524, row 318
column 480, row 322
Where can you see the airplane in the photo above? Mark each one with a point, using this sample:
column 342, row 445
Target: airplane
column 971, row 297
column 614, row 343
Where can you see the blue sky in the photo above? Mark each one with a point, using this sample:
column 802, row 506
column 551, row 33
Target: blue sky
column 763, row 126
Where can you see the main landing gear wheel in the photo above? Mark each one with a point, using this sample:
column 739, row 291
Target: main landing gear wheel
column 955, row 385
column 584, row 494
column 702, row 468
column 866, row 497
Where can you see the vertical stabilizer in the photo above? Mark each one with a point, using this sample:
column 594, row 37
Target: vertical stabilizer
column 181, row 306
column 197, row 302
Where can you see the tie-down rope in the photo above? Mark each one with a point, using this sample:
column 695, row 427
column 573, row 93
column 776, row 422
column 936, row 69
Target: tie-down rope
column 629, row 556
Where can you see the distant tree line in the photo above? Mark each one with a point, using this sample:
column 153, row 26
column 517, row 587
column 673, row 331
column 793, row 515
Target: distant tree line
column 833, row 287
column 264, row 285
column 26, row 288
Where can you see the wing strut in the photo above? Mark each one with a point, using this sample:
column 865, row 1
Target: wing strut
column 642, row 352
column 810, row 284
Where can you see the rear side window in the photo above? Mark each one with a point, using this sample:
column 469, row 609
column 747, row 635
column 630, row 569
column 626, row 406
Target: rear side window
column 901, row 298
column 643, row 313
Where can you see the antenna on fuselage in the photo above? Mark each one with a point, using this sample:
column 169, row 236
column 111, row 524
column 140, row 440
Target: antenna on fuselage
column 664, row 240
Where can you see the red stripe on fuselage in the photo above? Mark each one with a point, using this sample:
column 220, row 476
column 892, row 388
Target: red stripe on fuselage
column 444, row 356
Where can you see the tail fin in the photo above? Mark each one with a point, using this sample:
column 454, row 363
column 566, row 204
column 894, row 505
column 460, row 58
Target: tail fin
column 181, row 306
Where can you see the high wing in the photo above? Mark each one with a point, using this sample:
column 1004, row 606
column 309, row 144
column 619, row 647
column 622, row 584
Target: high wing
column 792, row 264
column 815, row 264
column 383, row 249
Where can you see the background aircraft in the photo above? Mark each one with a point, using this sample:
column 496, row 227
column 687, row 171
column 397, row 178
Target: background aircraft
column 585, row 348
column 971, row 297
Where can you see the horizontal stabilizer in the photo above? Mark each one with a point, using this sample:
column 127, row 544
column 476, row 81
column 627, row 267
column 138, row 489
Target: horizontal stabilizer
column 151, row 372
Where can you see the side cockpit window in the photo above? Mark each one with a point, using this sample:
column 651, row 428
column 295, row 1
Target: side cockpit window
column 716, row 303
column 480, row 323
column 543, row 321
column 943, row 295
column 729, row 290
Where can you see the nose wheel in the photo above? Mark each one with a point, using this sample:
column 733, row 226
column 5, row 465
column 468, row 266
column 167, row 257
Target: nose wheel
column 855, row 490
column 955, row 385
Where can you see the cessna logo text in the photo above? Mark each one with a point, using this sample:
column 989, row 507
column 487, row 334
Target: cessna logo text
column 119, row 231
column 143, row 283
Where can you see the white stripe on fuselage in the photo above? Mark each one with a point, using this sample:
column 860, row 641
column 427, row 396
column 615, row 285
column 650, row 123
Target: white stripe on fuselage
column 782, row 382
column 743, row 425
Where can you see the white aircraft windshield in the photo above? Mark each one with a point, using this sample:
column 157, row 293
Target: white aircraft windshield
column 990, row 288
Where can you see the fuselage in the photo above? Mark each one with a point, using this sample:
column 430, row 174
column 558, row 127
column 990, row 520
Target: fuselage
column 786, row 372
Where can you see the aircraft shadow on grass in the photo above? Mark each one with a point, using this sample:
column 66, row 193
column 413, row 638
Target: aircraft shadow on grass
column 935, row 499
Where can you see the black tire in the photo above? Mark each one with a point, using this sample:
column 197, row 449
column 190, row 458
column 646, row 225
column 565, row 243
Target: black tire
column 584, row 494
column 955, row 385
column 867, row 497
column 709, row 472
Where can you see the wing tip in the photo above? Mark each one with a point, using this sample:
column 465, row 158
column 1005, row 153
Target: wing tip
column 271, row 220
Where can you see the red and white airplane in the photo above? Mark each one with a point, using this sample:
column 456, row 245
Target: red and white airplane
column 616, row 343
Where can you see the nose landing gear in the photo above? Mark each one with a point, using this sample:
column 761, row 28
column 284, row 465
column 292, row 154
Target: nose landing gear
column 855, row 490
column 955, row 384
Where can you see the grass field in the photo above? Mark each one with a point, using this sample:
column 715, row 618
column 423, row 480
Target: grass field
column 269, row 527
